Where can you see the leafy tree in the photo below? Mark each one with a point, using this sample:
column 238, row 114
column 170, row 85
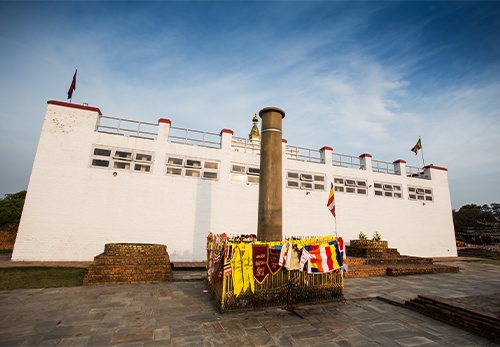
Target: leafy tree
column 11, row 207
column 477, row 222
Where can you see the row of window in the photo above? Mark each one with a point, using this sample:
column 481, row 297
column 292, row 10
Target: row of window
column 142, row 161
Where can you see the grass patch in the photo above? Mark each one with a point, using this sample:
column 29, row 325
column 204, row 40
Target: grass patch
column 27, row 277
column 3, row 251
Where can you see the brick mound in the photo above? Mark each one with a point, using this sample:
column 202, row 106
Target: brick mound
column 478, row 314
column 128, row 263
column 368, row 258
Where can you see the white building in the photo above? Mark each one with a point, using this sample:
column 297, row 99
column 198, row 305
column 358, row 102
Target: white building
column 99, row 179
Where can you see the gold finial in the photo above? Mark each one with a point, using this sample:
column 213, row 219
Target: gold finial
column 254, row 133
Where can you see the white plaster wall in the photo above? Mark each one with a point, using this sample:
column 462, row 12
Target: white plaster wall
column 72, row 210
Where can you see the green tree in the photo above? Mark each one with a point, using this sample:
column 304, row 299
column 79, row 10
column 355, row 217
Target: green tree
column 11, row 207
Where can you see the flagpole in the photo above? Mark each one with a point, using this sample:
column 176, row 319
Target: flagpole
column 336, row 234
column 422, row 149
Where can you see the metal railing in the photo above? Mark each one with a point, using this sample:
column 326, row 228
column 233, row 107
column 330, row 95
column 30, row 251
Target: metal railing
column 383, row 167
column 416, row 172
column 348, row 161
column 241, row 144
column 194, row 137
column 303, row 154
column 127, row 127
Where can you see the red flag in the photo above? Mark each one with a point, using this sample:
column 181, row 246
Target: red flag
column 331, row 201
column 72, row 87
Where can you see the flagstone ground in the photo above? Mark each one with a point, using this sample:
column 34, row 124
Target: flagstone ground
column 182, row 313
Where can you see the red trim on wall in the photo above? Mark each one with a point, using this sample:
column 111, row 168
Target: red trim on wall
column 365, row 155
column 326, row 148
column 435, row 167
column 164, row 120
column 400, row 161
column 228, row 131
column 80, row 107
column 284, row 141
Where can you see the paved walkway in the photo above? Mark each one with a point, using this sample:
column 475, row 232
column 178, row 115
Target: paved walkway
column 183, row 313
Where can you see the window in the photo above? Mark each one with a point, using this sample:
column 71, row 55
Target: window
column 349, row 185
column 420, row 194
column 121, row 159
column 191, row 167
column 389, row 190
column 305, row 180
column 244, row 174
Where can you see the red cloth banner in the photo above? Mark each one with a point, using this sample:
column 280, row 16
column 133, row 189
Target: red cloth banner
column 260, row 269
column 274, row 260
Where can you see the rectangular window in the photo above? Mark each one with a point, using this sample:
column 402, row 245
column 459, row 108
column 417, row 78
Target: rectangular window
column 238, row 168
column 292, row 184
column 253, row 171
column 210, row 175
column 293, row 175
column 339, row 189
column 174, row 171
column 338, row 181
column 361, row 183
column 318, row 178
column 387, row 187
column 319, row 186
column 424, row 194
column 192, row 173
column 397, row 195
column 193, row 163
column 142, row 157
column 101, row 163
column 175, row 161
column 139, row 167
column 306, row 177
column 121, row 165
column 387, row 194
column 306, row 185
column 211, row 165
column 377, row 185
column 350, row 190
column 420, row 191
column 102, row 152
column 238, row 178
column 123, row 155
column 253, row 179
column 379, row 193
column 362, row 191
column 350, row 183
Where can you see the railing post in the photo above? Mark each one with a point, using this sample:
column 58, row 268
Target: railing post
column 226, row 138
column 163, row 129
column 400, row 167
column 365, row 160
column 326, row 155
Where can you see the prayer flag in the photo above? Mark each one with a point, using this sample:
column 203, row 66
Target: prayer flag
column 417, row 147
column 72, row 87
column 323, row 259
column 331, row 202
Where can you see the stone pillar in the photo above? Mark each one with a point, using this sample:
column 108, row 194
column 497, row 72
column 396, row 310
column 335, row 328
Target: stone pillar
column 270, row 223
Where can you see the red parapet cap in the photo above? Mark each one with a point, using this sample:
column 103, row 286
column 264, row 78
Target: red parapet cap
column 435, row 167
column 164, row 120
column 284, row 141
column 326, row 148
column 400, row 161
column 227, row 131
column 80, row 107
column 365, row 155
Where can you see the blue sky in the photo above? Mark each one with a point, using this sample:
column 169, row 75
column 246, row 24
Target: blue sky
column 361, row 77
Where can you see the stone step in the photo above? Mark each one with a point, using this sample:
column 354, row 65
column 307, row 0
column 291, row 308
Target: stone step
column 126, row 279
column 398, row 270
column 104, row 259
column 477, row 323
column 129, row 270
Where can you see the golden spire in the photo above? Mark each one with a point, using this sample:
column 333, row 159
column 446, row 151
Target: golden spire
column 254, row 133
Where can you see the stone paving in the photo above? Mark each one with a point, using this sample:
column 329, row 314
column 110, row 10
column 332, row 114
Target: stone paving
column 183, row 313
